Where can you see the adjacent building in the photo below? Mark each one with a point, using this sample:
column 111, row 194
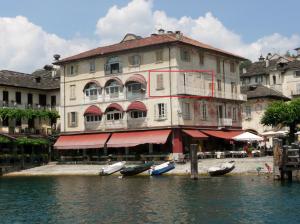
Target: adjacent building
column 148, row 96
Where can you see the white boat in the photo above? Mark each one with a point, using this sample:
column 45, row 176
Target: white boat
column 110, row 169
column 221, row 169
column 162, row 168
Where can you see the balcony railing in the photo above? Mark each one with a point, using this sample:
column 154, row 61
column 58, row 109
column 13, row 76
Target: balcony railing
column 27, row 106
column 224, row 122
column 28, row 131
column 197, row 91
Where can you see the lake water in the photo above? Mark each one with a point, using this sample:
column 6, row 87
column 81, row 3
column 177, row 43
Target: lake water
column 148, row 200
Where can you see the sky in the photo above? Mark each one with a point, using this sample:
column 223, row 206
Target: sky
column 32, row 31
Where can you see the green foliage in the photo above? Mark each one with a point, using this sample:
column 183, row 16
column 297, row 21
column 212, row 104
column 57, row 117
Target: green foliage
column 32, row 141
column 4, row 140
column 27, row 113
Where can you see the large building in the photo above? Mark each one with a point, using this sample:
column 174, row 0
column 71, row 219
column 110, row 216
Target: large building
column 272, row 78
column 151, row 95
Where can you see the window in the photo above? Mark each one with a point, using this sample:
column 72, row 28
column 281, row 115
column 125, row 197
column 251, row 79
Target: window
column 114, row 115
column 258, row 79
column 113, row 66
column 42, row 100
column 134, row 60
column 233, row 87
column 92, row 118
column 161, row 111
column 234, row 114
column 297, row 74
column 53, row 101
column 5, row 96
column 204, row 111
column 274, row 79
column 29, row 99
column 201, row 58
column 18, row 122
column 137, row 114
column 113, row 89
column 18, row 98
column 159, row 56
column 248, row 111
column 186, row 115
column 92, row 91
column 185, row 55
column 72, row 92
column 219, row 84
column 218, row 65
column 92, row 66
column 72, row 69
column 159, row 82
column 232, row 66
column 248, row 80
column 72, row 119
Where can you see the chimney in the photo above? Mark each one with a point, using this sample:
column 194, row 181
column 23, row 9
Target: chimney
column 178, row 34
column 161, row 31
column 298, row 53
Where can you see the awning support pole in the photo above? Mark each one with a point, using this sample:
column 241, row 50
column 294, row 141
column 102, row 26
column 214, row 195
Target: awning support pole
column 194, row 161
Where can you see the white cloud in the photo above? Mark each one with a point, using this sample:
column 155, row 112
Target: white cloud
column 138, row 17
column 25, row 46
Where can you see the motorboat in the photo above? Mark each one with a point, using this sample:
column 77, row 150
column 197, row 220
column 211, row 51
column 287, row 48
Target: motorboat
column 162, row 168
column 134, row 170
column 110, row 169
column 222, row 169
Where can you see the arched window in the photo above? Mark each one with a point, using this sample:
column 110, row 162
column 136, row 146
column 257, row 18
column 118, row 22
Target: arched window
column 136, row 110
column 113, row 88
column 114, row 112
column 136, row 86
column 92, row 90
column 92, row 114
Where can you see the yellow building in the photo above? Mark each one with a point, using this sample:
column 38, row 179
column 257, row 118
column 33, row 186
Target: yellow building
column 154, row 94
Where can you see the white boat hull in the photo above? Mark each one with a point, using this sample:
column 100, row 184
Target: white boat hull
column 112, row 168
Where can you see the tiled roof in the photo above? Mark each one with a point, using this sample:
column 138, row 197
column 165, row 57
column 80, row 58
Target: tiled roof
column 18, row 79
column 158, row 39
column 261, row 91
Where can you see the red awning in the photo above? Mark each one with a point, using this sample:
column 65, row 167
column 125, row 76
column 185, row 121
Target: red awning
column 137, row 78
column 115, row 106
column 137, row 105
column 195, row 133
column 228, row 135
column 84, row 141
column 130, row 139
column 94, row 110
column 113, row 79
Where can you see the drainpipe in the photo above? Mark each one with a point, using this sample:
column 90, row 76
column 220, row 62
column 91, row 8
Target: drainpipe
column 64, row 98
column 170, row 84
column 225, row 109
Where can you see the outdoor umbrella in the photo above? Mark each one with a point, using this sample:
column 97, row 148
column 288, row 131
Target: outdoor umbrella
column 247, row 137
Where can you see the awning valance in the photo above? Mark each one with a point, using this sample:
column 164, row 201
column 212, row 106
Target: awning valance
column 195, row 133
column 83, row 141
column 113, row 79
column 137, row 78
column 93, row 110
column 228, row 135
column 130, row 139
column 114, row 106
column 137, row 105
column 92, row 82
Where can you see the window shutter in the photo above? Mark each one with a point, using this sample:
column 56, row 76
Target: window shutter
column 69, row 119
column 166, row 110
column 155, row 111
column 130, row 60
column 68, row 69
column 159, row 82
column 76, row 119
column 76, row 69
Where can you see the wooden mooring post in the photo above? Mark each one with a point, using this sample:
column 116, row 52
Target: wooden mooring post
column 194, row 161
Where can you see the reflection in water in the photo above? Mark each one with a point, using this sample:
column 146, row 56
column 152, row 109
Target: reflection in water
column 147, row 200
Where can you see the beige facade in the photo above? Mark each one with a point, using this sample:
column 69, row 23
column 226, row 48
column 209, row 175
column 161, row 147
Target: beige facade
column 216, row 108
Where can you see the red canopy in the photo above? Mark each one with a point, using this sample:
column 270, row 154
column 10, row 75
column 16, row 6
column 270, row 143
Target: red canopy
column 195, row 133
column 228, row 135
column 115, row 106
column 137, row 78
column 84, row 141
column 130, row 139
column 94, row 110
column 137, row 105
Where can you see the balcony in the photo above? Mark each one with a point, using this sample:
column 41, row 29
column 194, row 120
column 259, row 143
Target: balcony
column 13, row 104
column 92, row 125
column 137, row 122
column 115, row 124
column 224, row 122
column 187, row 90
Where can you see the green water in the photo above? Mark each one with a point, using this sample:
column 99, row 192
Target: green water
column 148, row 200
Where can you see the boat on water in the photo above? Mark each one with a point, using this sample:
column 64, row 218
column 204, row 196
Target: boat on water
column 162, row 168
column 131, row 171
column 222, row 169
column 110, row 169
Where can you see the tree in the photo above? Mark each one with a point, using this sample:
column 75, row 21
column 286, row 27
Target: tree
column 283, row 113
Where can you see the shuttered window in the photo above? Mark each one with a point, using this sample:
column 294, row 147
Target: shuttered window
column 186, row 112
column 185, row 55
column 72, row 69
column 201, row 58
column 232, row 66
column 72, row 92
column 72, row 119
column 159, row 56
column 134, row 60
column 218, row 65
column 159, row 82
column 160, row 111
